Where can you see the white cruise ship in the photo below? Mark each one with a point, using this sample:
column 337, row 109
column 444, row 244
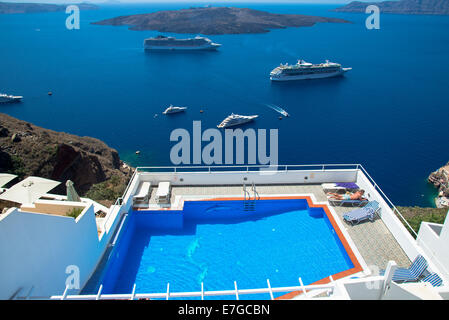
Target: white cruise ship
column 170, row 43
column 4, row 98
column 235, row 119
column 305, row 70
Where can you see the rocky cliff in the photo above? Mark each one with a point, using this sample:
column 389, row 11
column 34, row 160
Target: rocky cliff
column 401, row 7
column 440, row 179
column 26, row 149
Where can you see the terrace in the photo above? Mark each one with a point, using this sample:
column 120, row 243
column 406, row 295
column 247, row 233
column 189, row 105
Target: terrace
column 376, row 244
column 384, row 243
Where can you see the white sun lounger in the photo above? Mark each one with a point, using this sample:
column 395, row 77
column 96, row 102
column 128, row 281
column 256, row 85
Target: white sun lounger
column 163, row 192
column 143, row 193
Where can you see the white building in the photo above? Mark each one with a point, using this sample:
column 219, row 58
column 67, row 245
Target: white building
column 40, row 244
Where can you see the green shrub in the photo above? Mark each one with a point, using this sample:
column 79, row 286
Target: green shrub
column 74, row 212
column 416, row 215
column 18, row 167
column 108, row 190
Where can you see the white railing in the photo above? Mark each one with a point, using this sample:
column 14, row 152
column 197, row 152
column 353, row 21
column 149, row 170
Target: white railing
column 245, row 168
column 388, row 201
column 236, row 292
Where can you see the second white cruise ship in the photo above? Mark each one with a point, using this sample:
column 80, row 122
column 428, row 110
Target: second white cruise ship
column 305, row 70
column 170, row 43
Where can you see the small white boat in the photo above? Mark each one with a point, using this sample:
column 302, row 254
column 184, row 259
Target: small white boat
column 173, row 109
column 235, row 119
column 278, row 109
column 4, row 98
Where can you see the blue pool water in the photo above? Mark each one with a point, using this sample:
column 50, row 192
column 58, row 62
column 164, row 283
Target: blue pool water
column 217, row 243
column 389, row 113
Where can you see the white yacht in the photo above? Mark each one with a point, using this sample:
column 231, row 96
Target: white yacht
column 4, row 98
column 173, row 109
column 304, row 70
column 235, row 119
column 170, row 43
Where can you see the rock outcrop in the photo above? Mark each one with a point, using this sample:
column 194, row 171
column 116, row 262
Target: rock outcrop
column 440, row 179
column 10, row 7
column 215, row 20
column 26, row 149
column 440, row 7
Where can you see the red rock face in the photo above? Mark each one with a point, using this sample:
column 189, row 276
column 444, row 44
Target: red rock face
column 56, row 155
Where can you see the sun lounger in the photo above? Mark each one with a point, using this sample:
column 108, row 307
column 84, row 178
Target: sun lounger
column 339, row 187
column 434, row 279
column 341, row 203
column 419, row 265
column 367, row 212
column 143, row 193
column 163, row 192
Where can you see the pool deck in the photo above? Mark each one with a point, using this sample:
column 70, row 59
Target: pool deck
column 373, row 240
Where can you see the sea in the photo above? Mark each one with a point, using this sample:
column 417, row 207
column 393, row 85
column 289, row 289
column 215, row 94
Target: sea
column 390, row 113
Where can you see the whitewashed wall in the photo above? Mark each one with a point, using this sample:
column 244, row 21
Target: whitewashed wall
column 237, row 178
column 436, row 246
column 35, row 250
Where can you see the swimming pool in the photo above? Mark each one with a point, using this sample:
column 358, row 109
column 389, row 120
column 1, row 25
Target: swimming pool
column 221, row 241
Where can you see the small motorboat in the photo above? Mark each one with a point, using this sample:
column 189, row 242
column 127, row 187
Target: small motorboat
column 173, row 109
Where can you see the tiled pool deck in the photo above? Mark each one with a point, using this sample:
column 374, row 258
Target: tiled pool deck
column 373, row 240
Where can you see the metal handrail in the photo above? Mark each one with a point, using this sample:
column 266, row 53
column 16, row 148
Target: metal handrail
column 245, row 192
column 389, row 202
column 256, row 194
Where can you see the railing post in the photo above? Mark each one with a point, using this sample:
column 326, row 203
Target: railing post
column 269, row 288
column 236, row 291
column 29, row 293
column 388, row 276
column 202, row 291
column 99, row 292
column 302, row 287
column 168, row 291
column 133, row 294
column 64, row 295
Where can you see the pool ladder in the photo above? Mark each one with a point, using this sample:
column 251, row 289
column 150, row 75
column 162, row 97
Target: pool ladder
column 248, row 203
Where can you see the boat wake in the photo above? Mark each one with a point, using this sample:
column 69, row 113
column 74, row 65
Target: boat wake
column 278, row 109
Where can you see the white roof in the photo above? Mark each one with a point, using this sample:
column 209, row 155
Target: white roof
column 5, row 178
column 29, row 190
column 163, row 189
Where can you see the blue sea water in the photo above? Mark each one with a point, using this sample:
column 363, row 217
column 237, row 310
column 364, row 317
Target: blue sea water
column 389, row 113
column 217, row 243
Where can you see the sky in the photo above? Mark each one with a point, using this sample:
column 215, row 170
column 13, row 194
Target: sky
column 190, row 1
